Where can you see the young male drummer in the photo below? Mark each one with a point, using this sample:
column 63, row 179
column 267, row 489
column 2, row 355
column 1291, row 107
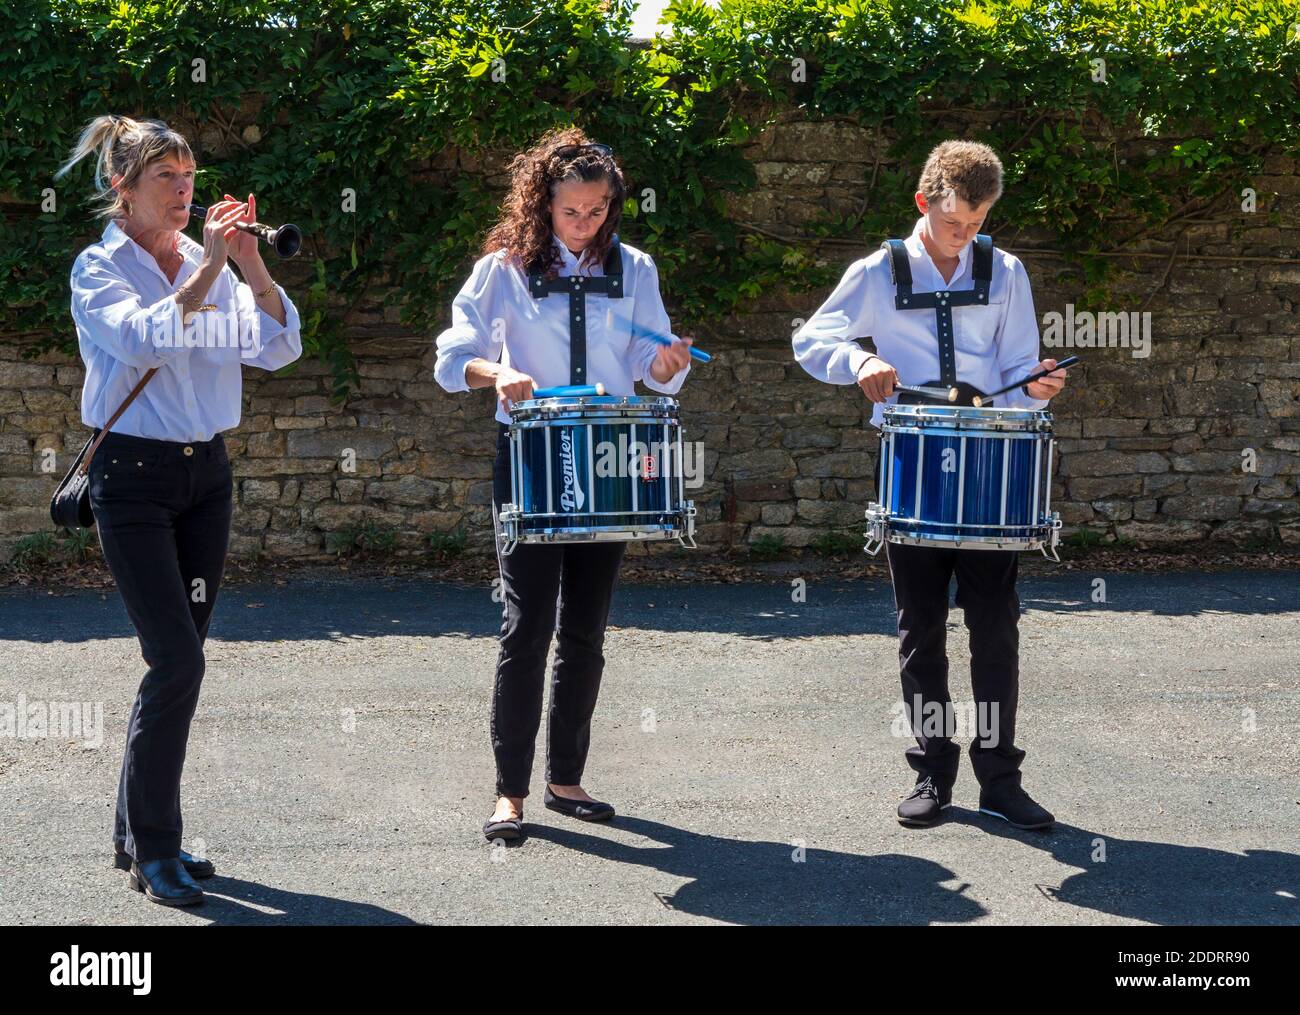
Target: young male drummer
column 973, row 343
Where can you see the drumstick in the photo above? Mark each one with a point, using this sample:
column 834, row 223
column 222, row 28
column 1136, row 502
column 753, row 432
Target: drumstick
column 1069, row 361
column 570, row 390
column 936, row 393
column 654, row 336
column 942, row 394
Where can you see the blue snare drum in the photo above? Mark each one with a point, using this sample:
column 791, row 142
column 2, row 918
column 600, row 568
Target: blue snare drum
column 598, row 467
column 959, row 476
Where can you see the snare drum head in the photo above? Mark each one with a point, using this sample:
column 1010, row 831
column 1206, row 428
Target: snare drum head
column 966, row 417
column 599, row 405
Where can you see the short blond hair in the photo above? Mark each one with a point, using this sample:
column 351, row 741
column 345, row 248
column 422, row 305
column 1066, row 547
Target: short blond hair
column 969, row 169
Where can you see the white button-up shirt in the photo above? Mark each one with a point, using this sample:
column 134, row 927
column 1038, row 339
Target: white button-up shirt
column 993, row 346
column 128, row 320
column 495, row 317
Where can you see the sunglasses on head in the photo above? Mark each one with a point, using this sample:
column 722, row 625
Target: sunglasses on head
column 568, row 151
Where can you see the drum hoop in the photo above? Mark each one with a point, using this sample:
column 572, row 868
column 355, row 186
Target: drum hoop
column 901, row 520
column 967, row 417
column 529, row 515
column 628, row 533
column 1001, row 542
column 964, row 411
column 1010, row 431
column 581, row 403
column 557, row 419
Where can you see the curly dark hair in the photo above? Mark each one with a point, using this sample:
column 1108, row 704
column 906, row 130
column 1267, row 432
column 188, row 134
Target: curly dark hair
column 524, row 229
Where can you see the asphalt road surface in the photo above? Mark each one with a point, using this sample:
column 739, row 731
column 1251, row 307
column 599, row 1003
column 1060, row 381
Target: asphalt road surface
column 339, row 767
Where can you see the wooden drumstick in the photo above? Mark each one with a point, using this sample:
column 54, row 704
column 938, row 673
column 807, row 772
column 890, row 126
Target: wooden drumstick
column 940, row 394
column 1069, row 361
column 921, row 390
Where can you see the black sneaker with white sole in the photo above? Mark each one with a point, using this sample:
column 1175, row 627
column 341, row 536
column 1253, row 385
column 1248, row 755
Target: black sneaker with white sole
column 925, row 803
column 1013, row 805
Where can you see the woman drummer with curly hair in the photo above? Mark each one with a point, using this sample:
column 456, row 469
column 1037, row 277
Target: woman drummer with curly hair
column 560, row 219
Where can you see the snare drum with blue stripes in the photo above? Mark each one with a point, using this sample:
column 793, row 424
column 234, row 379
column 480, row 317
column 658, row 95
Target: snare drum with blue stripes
column 596, row 467
column 965, row 477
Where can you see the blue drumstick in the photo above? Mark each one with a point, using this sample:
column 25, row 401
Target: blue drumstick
column 570, row 390
column 654, row 336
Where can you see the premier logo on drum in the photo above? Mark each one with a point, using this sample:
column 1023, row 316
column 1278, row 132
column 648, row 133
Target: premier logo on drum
column 571, row 497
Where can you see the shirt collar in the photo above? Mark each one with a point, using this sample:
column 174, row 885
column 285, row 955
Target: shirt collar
column 568, row 259
column 916, row 247
column 114, row 236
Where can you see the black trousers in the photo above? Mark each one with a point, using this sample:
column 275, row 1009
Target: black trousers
column 163, row 512
column 556, row 589
column 986, row 591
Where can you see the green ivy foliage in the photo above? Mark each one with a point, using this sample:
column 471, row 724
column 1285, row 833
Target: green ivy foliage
column 408, row 102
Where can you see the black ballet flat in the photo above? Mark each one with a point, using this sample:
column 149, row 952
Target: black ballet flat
column 165, row 882
column 510, row 828
column 195, row 867
column 583, row 810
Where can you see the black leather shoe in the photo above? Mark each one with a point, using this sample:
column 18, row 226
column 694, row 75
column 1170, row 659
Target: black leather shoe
column 1012, row 804
column 583, row 810
column 510, row 828
column 165, row 882
column 925, row 804
column 195, row 867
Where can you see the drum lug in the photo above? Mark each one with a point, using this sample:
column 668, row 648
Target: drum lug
column 688, row 540
column 1053, row 537
column 509, row 529
column 875, row 533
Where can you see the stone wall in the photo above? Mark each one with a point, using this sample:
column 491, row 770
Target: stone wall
column 1150, row 449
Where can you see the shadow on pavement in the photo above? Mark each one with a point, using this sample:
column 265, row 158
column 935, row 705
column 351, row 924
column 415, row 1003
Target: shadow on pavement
column 340, row 610
column 234, row 902
column 1163, row 882
column 759, row 883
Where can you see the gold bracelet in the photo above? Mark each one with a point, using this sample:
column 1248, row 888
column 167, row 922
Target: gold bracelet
column 189, row 315
column 267, row 291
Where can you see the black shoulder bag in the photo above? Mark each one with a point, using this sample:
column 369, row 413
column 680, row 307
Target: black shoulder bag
column 70, row 505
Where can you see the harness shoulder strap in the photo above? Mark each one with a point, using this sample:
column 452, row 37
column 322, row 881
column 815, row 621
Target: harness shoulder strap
column 899, row 269
column 537, row 281
column 982, row 265
column 614, row 269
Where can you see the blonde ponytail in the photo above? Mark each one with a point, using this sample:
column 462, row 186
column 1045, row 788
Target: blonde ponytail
column 123, row 146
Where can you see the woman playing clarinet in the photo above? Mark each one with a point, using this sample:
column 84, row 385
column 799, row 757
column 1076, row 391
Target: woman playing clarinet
column 153, row 306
